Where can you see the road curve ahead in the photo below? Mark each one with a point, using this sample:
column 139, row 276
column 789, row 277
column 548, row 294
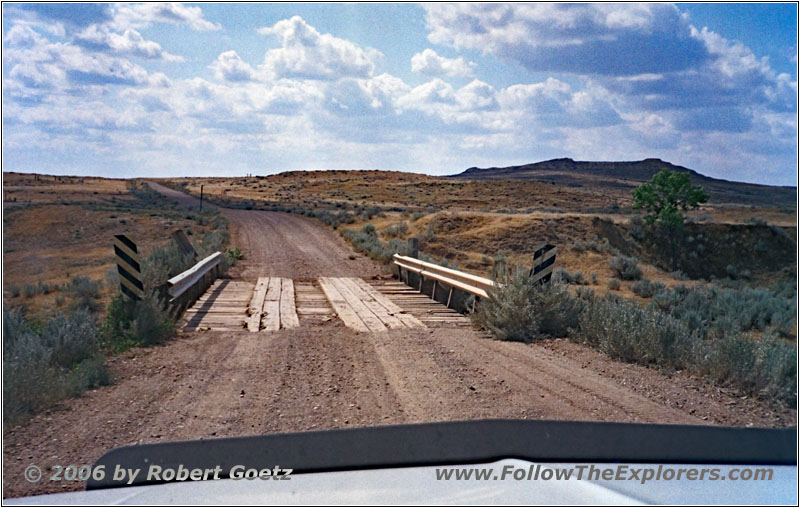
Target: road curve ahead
column 277, row 244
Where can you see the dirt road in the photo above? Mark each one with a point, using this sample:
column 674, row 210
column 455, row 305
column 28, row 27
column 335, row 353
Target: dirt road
column 323, row 375
column 285, row 245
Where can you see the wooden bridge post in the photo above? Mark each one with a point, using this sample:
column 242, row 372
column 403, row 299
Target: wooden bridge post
column 413, row 247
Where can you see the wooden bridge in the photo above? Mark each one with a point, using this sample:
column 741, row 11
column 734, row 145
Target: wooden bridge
column 276, row 303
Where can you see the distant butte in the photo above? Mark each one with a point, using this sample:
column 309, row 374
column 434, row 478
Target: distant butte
column 629, row 174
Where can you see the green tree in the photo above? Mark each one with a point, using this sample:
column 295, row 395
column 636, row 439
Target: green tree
column 666, row 196
column 664, row 199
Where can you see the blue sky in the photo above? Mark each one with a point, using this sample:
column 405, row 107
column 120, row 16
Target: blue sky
column 228, row 89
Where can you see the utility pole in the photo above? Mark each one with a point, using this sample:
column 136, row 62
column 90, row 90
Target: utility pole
column 201, row 198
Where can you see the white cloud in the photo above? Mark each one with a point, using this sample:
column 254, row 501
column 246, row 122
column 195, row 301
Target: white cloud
column 230, row 67
column 376, row 95
column 22, row 36
column 128, row 42
column 609, row 39
column 555, row 103
column 118, row 32
column 144, row 14
column 429, row 96
column 305, row 53
column 90, row 59
column 477, row 95
column 65, row 66
column 430, row 63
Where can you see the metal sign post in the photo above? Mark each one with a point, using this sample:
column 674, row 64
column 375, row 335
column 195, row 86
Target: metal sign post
column 128, row 267
column 543, row 261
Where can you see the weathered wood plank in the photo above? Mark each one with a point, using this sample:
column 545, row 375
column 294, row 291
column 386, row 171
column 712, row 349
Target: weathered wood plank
column 396, row 311
column 340, row 305
column 387, row 318
column 230, row 325
column 314, row 310
column 272, row 300
column 369, row 318
column 289, row 317
column 256, row 305
column 216, row 311
column 224, row 306
column 426, row 310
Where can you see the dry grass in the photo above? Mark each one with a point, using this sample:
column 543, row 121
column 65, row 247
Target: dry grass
column 20, row 189
column 67, row 230
column 417, row 192
column 401, row 190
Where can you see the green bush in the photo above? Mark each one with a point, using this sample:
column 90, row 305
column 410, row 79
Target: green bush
column 649, row 336
column 396, row 230
column 776, row 369
column 625, row 268
column 742, row 309
column 523, row 311
column 213, row 241
column 558, row 311
column 367, row 242
column 132, row 323
column 235, row 253
column 30, row 382
column 647, row 288
column 84, row 293
column 164, row 263
column 509, row 313
column 71, row 338
column 614, row 284
column 766, row 366
column 564, row 275
column 89, row 373
column 42, row 367
column 625, row 331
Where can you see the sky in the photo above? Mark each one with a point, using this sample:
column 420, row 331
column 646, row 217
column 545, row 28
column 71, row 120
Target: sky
column 162, row 89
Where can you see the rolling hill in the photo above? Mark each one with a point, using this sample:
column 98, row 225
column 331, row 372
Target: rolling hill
column 628, row 174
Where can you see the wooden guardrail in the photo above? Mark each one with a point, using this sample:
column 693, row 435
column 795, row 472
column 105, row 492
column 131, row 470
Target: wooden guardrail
column 186, row 287
column 436, row 276
column 472, row 284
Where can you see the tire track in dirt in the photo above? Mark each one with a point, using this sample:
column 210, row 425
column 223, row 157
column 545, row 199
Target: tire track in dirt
column 239, row 384
column 331, row 380
column 279, row 244
column 435, row 384
column 585, row 390
column 432, row 371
